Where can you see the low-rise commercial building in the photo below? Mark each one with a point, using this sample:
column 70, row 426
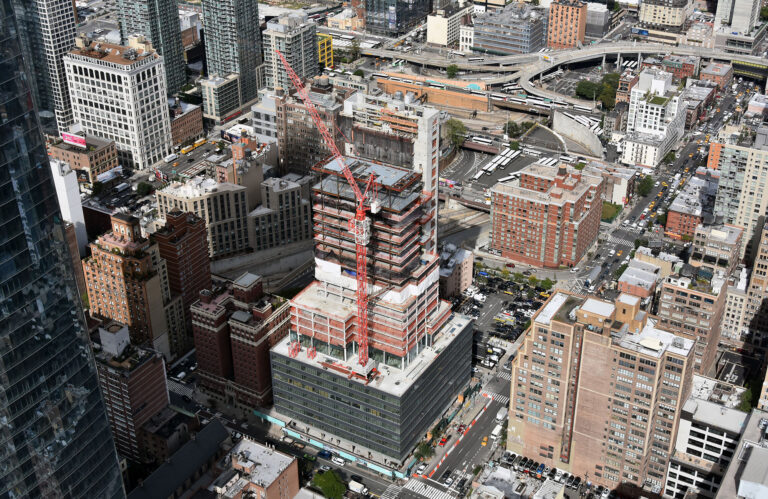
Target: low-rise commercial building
column 88, row 155
column 443, row 25
column 666, row 262
column 346, row 20
column 456, row 268
column 518, row 28
column 694, row 204
column 639, row 279
column 718, row 73
column 549, row 217
column 627, row 81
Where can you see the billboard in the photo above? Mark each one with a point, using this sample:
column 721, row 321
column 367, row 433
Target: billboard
column 75, row 140
column 392, row 17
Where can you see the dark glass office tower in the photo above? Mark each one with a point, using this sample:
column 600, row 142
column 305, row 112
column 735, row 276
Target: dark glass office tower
column 54, row 434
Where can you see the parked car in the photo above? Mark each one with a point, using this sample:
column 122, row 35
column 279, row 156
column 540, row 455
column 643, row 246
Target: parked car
column 324, row 454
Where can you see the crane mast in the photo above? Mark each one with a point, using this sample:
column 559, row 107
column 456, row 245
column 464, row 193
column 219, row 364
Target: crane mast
column 360, row 226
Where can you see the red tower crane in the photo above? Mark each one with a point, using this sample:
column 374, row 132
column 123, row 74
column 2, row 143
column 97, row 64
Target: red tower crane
column 360, row 226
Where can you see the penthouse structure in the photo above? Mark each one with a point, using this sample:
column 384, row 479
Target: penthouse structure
column 549, row 217
column 127, row 281
column 235, row 324
column 383, row 408
column 133, row 384
column 597, row 389
column 119, row 93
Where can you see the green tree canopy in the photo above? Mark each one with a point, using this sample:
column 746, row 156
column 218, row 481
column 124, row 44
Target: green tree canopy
column 452, row 70
column 144, row 189
column 456, row 131
column 645, row 186
column 424, row 451
column 359, row 72
column 547, row 283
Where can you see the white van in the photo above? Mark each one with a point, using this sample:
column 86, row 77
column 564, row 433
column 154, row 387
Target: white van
column 338, row 461
column 496, row 433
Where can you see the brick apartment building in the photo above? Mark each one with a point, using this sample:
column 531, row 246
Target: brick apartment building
column 680, row 66
column 183, row 244
column 132, row 383
column 567, row 24
column 693, row 307
column 186, row 121
column 96, row 157
column 549, row 218
column 695, row 202
column 721, row 74
column 598, row 390
column 235, row 325
column 627, row 81
column 127, row 281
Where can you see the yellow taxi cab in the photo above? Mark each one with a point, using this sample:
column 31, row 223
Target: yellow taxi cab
column 176, row 164
column 653, row 215
column 485, row 441
column 690, row 155
column 618, row 253
column 686, row 170
column 664, row 184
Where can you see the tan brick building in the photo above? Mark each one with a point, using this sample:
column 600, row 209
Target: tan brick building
column 567, row 24
column 597, row 389
column 98, row 156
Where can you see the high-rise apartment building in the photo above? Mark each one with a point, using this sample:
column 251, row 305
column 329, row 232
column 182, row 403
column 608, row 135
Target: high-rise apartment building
column 233, row 44
column 597, row 390
column 222, row 206
column 285, row 214
column 566, row 24
column 47, row 29
column 738, row 15
column 665, row 15
column 655, row 120
column 408, row 324
column 158, row 21
column 716, row 249
column 518, row 28
column 743, row 166
column 399, row 133
column 133, row 383
column 549, row 217
column 56, row 441
column 754, row 321
column 105, row 81
column 693, row 308
column 127, row 282
column 235, row 325
column 392, row 18
column 183, row 244
column 295, row 36
column 301, row 145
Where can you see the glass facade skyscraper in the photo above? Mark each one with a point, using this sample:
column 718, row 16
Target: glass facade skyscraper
column 55, row 439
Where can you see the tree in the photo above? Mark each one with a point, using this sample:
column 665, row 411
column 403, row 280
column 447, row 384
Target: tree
column 662, row 219
column 547, row 283
column 512, row 129
column 359, row 72
column 330, row 484
column 533, row 281
column 424, row 451
column 670, row 157
column 514, row 145
column 617, row 273
column 587, row 90
column 456, row 131
column 640, row 242
column 354, row 51
column 645, row 186
column 144, row 189
column 452, row 70
column 764, row 13
column 518, row 277
column 746, row 400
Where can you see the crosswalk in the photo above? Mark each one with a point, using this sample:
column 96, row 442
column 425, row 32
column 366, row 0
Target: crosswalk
column 505, row 375
column 615, row 240
column 504, row 399
column 426, row 490
column 392, row 492
column 179, row 388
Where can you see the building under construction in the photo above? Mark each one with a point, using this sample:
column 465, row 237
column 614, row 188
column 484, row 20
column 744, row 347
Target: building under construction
column 419, row 353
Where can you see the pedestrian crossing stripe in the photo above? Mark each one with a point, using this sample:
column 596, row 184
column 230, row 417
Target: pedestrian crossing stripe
column 506, row 376
column 504, row 399
column 426, row 490
column 392, row 492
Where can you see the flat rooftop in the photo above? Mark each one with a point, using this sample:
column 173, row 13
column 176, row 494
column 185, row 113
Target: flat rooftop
column 655, row 342
column 115, row 54
column 696, row 198
column 198, row 186
column 748, row 465
column 717, row 69
column 717, row 391
column 267, row 463
column 390, row 380
column 590, row 177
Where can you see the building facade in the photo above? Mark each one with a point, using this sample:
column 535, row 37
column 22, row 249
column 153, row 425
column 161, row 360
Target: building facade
column 627, row 81
column 655, row 120
column 285, row 214
column 754, row 325
column 127, row 282
column 718, row 73
column 567, row 24
column 549, row 217
column 518, row 28
column 295, row 36
column 443, row 25
column 597, row 389
column 456, row 270
column 325, row 50
column 104, row 80
column 393, row 18
column 133, row 383
column 665, row 15
column 233, row 43
column 158, row 21
column 235, row 325
column 740, row 200
column 96, row 157
column 47, row 32
column 693, row 308
column 716, row 249
column 40, row 308
column 186, row 122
